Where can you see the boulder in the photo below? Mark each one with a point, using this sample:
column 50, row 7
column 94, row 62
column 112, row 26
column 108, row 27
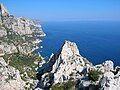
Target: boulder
column 3, row 32
column 106, row 66
column 7, row 49
column 110, row 82
column 2, row 62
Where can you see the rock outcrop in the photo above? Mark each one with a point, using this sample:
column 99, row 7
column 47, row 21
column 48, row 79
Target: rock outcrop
column 106, row 66
column 10, row 77
column 3, row 9
column 8, row 49
column 3, row 32
column 19, row 31
column 103, row 70
column 111, row 78
column 18, row 39
column 20, row 25
column 110, row 81
column 67, row 65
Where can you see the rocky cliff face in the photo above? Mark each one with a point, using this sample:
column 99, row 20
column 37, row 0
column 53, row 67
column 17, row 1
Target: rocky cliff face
column 68, row 63
column 10, row 78
column 20, row 25
column 18, row 31
column 67, row 68
column 110, row 81
column 65, row 65
column 18, row 39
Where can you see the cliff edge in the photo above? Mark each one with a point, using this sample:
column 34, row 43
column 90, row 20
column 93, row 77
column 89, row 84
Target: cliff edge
column 68, row 70
column 18, row 39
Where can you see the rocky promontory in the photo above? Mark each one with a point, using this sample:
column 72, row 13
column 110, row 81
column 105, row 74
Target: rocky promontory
column 21, row 69
column 18, row 39
column 68, row 70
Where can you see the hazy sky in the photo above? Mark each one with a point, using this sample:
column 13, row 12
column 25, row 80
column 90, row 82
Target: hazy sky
column 65, row 10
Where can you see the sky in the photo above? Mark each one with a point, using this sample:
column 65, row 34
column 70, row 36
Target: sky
column 65, row 10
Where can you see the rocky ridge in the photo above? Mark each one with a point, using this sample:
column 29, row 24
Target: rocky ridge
column 68, row 62
column 18, row 31
column 67, row 68
column 18, row 39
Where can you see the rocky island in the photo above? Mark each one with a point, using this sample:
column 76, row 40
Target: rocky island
column 21, row 69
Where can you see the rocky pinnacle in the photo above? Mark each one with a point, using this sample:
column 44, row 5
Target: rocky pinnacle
column 3, row 9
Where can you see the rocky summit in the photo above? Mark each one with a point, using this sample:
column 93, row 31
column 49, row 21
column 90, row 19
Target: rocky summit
column 68, row 70
column 68, row 63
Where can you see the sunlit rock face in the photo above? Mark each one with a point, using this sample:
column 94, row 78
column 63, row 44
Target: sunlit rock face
column 3, row 9
column 106, row 66
column 10, row 77
column 17, row 30
column 17, row 35
column 66, row 64
column 110, row 81
column 19, row 25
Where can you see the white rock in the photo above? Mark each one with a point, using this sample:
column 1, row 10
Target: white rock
column 10, row 77
column 2, row 32
column 2, row 62
column 3, row 9
column 67, row 63
column 110, row 82
column 107, row 66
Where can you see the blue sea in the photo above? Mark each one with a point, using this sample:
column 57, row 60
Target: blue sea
column 97, row 40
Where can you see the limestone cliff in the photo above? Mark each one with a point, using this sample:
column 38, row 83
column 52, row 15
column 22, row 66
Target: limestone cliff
column 67, row 68
column 18, row 39
column 66, row 64
column 17, row 31
column 10, row 78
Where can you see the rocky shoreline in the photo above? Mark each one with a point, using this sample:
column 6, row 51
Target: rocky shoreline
column 21, row 69
column 18, row 39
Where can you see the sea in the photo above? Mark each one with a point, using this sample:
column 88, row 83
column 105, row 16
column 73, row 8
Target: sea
column 97, row 41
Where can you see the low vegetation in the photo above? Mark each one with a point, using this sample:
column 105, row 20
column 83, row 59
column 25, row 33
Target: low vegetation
column 94, row 75
column 23, row 63
column 58, row 87
column 69, row 85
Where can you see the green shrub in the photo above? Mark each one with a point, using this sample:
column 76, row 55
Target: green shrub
column 69, row 85
column 20, row 61
column 57, row 87
column 93, row 75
